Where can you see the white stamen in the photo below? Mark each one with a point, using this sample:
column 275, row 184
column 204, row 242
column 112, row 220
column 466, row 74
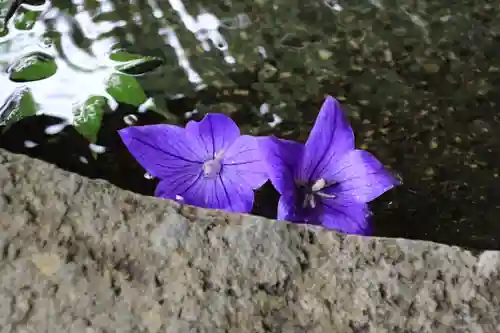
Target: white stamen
column 312, row 201
column 213, row 167
column 318, row 185
column 326, row 195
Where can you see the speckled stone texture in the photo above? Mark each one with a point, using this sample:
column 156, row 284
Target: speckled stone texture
column 82, row 256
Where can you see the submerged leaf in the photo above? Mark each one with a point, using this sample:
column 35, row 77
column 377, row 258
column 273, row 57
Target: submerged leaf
column 33, row 67
column 126, row 89
column 26, row 19
column 88, row 117
column 20, row 104
column 134, row 64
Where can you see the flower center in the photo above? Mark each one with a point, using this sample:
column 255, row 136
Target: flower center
column 310, row 194
column 212, row 168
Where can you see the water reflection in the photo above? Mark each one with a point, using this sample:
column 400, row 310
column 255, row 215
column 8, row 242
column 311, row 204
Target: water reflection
column 418, row 79
column 79, row 73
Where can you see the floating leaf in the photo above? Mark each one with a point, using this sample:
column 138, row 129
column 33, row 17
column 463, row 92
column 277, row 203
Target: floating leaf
column 88, row 117
column 25, row 19
column 126, row 89
column 20, row 104
column 134, row 64
column 33, row 67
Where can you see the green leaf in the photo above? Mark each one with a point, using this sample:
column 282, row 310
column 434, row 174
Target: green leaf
column 125, row 89
column 19, row 105
column 4, row 31
column 25, row 19
column 134, row 64
column 87, row 117
column 33, row 67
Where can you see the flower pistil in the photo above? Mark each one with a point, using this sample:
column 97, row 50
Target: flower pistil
column 212, row 168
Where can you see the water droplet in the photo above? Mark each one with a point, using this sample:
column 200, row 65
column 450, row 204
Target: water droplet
column 54, row 129
column 189, row 114
column 97, row 149
column 148, row 176
column 276, row 121
column 240, row 21
column 264, row 108
column 334, row 5
column 230, row 59
column 130, row 119
column 262, row 51
column 30, row 144
column 148, row 104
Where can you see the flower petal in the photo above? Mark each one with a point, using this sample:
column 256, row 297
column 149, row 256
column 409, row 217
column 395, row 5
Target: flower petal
column 214, row 193
column 215, row 132
column 161, row 149
column 345, row 215
column 243, row 158
column 280, row 158
column 180, row 184
column 360, row 176
column 330, row 138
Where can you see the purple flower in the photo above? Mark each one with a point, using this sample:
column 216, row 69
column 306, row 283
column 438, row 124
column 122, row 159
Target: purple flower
column 208, row 164
column 326, row 180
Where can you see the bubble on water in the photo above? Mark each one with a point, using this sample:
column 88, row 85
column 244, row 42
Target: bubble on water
column 177, row 96
column 148, row 176
column 240, row 21
column 276, row 121
column 262, row 51
column 30, row 144
column 147, row 105
column 54, row 129
column 264, row 108
column 97, row 148
column 189, row 114
column 230, row 59
column 130, row 119
column 334, row 5
column 83, row 160
column 200, row 87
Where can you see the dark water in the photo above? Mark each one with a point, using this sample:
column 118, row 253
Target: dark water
column 420, row 81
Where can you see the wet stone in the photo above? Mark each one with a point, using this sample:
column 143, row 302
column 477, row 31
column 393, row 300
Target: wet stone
column 85, row 256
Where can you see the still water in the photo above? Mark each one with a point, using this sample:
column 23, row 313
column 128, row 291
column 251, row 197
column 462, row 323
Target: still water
column 420, row 81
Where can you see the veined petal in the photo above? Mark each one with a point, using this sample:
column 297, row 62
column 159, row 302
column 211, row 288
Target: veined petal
column 162, row 150
column 243, row 159
column 280, row 158
column 214, row 133
column 360, row 176
column 181, row 184
column 330, row 138
column 345, row 215
column 214, row 193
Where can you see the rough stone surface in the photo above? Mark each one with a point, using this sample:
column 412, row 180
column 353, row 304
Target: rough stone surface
column 79, row 255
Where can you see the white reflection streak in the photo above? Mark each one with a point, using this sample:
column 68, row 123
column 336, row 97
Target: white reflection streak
column 205, row 27
column 172, row 39
column 174, row 42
